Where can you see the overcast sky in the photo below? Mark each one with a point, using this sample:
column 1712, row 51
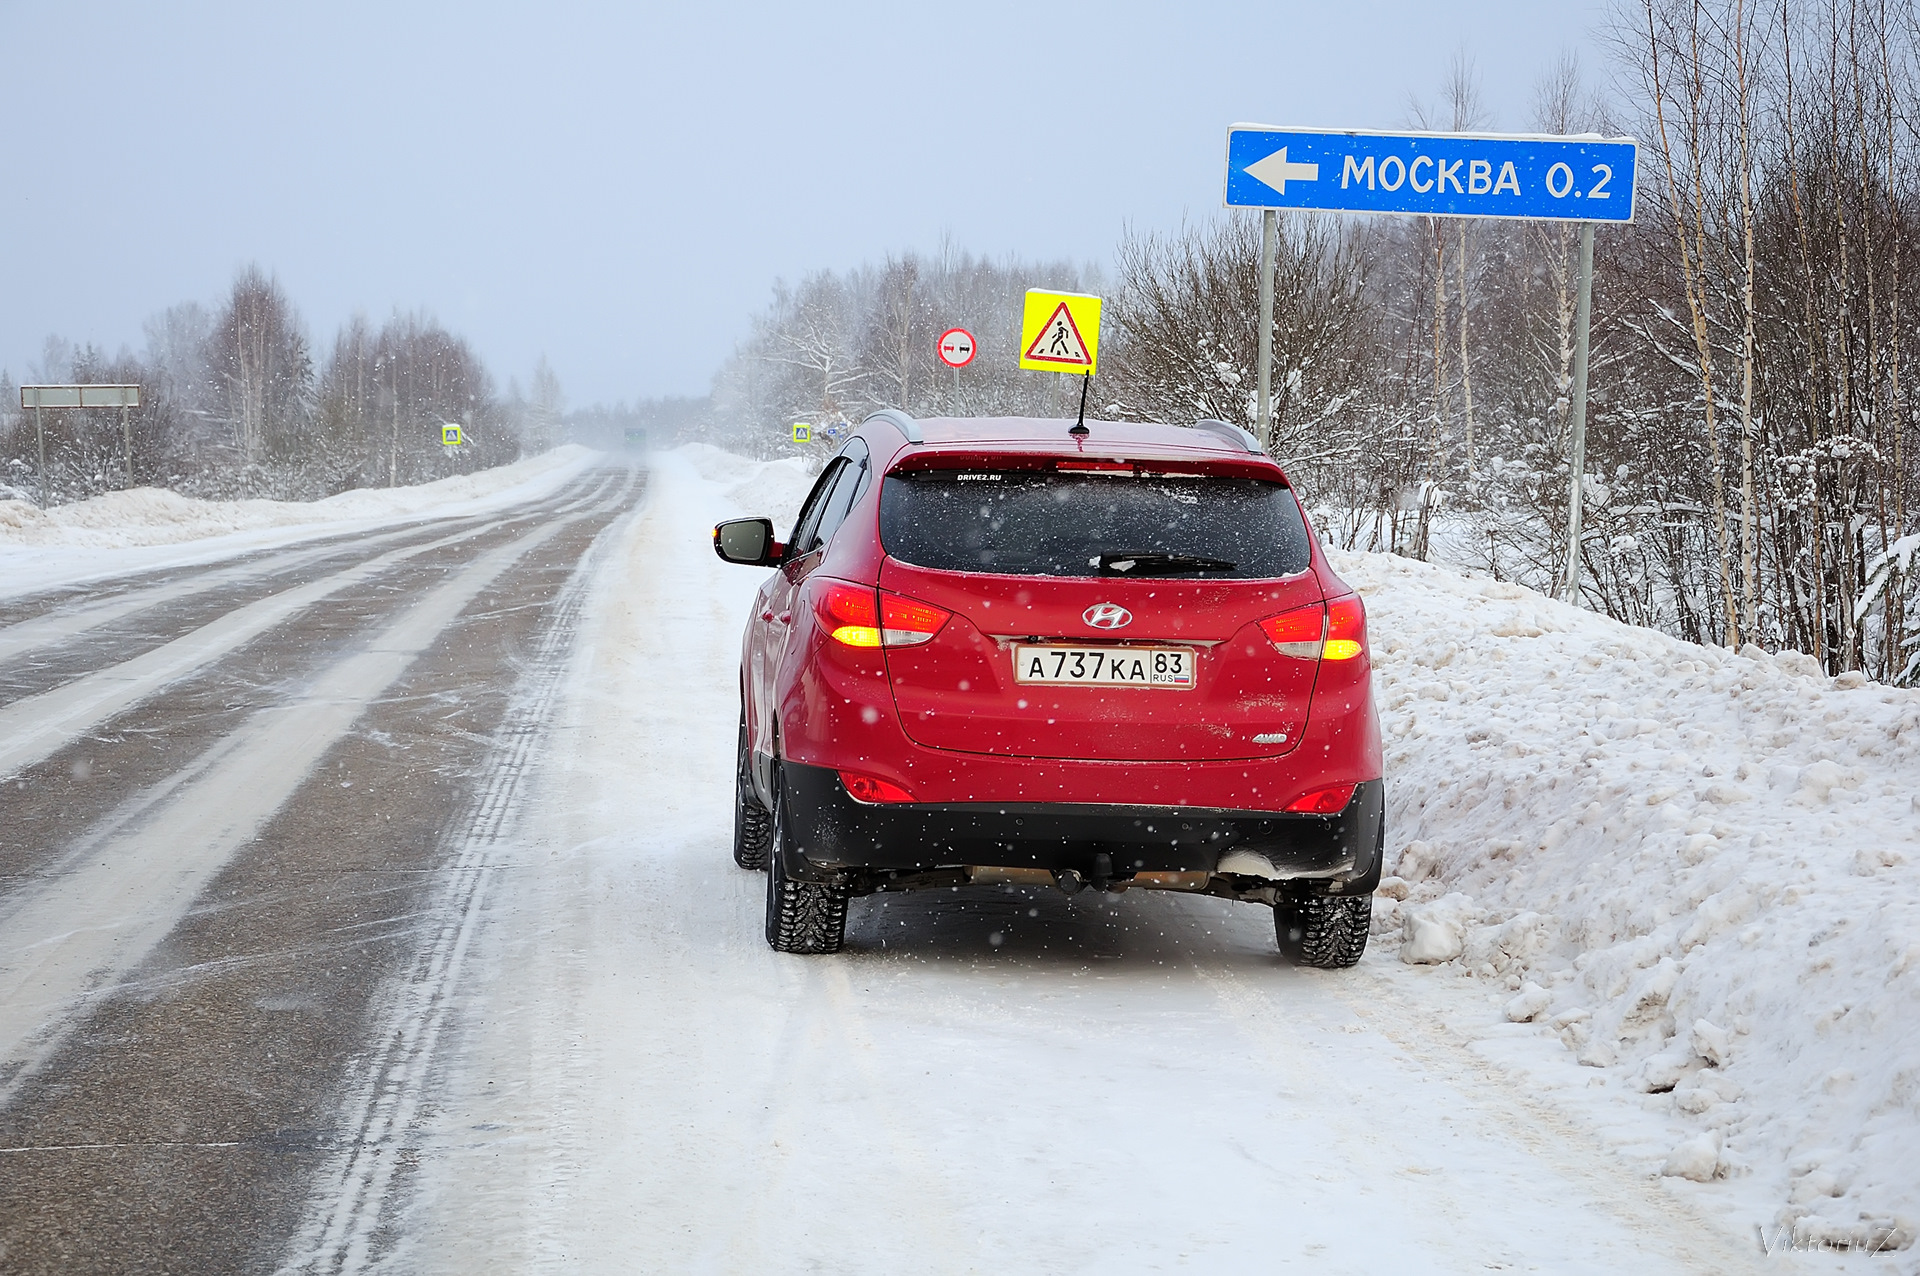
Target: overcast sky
column 618, row 185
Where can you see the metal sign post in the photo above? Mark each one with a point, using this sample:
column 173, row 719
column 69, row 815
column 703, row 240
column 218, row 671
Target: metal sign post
column 1582, row 324
column 37, row 397
column 956, row 349
column 1263, row 416
column 453, row 437
column 1534, row 177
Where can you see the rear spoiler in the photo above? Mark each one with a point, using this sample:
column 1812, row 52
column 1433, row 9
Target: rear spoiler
column 900, row 421
column 1233, row 432
column 910, row 429
column 1254, row 466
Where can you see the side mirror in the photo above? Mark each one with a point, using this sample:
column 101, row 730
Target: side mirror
column 747, row 540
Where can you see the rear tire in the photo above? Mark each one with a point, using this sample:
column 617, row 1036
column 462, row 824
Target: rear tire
column 1325, row 931
column 752, row 823
column 802, row 917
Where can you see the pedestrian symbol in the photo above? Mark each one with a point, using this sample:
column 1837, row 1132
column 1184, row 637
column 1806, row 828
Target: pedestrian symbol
column 1060, row 332
column 451, row 435
column 802, row 432
column 1059, row 341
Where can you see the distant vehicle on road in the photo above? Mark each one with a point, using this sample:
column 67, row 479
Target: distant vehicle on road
column 635, row 438
column 1017, row 651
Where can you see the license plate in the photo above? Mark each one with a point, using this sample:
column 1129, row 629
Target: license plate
column 1106, row 666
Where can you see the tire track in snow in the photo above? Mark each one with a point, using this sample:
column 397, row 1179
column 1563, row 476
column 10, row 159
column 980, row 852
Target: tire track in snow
column 351, row 1201
column 75, row 935
column 934, row 1212
column 541, row 1194
column 64, row 622
column 36, row 726
column 68, row 620
column 824, row 1020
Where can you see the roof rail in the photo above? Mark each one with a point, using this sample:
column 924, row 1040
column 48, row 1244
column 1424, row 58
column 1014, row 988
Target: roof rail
column 900, row 421
column 1233, row 432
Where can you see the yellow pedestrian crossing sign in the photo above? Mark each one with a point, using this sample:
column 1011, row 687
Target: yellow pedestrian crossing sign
column 802, row 432
column 452, row 435
column 1060, row 332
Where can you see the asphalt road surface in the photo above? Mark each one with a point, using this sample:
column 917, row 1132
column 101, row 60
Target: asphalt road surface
column 227, row 797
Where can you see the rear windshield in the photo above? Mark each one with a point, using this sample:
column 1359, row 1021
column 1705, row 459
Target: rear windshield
column 1027, row 523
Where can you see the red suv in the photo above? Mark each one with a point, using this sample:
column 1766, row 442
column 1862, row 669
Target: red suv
column 1017, row 650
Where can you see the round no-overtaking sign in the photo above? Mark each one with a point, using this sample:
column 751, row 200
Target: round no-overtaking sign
column 956, row 347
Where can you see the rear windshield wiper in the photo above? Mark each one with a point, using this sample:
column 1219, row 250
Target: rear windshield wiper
column 1148, row 563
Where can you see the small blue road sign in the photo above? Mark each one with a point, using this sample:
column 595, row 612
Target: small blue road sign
column 1586, row 179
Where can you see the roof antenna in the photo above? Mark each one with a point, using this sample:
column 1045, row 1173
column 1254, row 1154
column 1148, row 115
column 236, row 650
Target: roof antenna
column 1080, row 425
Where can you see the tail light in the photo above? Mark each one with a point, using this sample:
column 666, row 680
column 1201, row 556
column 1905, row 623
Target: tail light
column 1328, row 801
column 848, row 614
column 858, row 617
column 907, row 622
column 1346, row 628
column 1298, row 632
column 871, row 788
column 1329, row 631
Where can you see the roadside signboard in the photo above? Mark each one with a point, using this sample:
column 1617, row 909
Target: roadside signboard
column 37, row 397
column 1060, row 332
column 79, row 396
column 802, row 432
column 451, row 435
column 1585, row 178
column 956, row 347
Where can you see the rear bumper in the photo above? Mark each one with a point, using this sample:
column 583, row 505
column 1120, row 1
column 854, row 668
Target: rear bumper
column 830, row 834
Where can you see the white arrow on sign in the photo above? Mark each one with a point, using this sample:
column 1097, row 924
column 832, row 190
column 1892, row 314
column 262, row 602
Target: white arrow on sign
column 1276, row 172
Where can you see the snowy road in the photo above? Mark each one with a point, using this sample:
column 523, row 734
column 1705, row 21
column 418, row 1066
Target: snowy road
column 995, row 1080
column 365, row 904
column 224, row 796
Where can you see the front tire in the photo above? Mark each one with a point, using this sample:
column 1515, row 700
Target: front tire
column 752, row 823
column 802, row 917
column 1328, row 932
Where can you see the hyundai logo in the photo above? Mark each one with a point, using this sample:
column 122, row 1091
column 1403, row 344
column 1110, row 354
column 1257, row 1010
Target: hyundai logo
column 1107, row 616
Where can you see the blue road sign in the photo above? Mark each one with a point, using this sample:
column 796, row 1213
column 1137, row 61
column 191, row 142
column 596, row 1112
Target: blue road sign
column 1587, row 179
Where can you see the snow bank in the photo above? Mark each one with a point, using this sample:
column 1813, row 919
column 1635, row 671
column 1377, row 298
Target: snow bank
column 1700, row 869
column 761, row 489
column 155, row 516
